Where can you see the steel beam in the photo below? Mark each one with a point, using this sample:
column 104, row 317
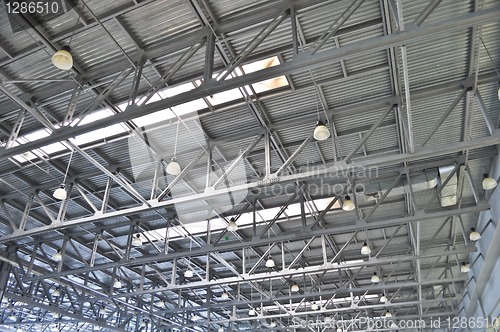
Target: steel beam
column 335, row 26
column 426, row 12
column 336, row 168
column 263, row 241
column 300, row 64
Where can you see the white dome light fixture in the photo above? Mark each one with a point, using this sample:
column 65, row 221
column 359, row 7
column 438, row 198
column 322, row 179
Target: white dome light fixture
column 366, row 250
column 117, row 284
column 231, row 226
column 60, row 193
column 464, row 268
column 137, row 241
column 224, row 296
column 13, row 318
column 221, row 329
column 251, row 312
column 143, row 323
column 383, row 299
column 63, row 58
column 56, row 293
column 273, row 324
column 173, row 167
column 339, row 329
column 488, row 182
column 160, row 303
column 188, row 274
column 57, row 257
column 295, row 288
column 19, row 329
column 348, row 204
column 314, row 306
column 375, row 278
column 55, row 315
column 388, row 314
column 102, row 311
column 321, row 131
column 270, row 263
column 474, row 235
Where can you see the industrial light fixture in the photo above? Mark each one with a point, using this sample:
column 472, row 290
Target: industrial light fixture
column 63, row 59
column 251, row 312
column 295, row 288
column 321, row 131
column 143, row 323
column 314, row 306
column 56, row 293
column 270, row 263
column 102, row 311
column 188, row 274
column 383, row 298
column 474, row 236
column 231, row 226
column 137, row 241
column 57, row 257
column 13, row 318
column 160, row 303
column 273, row 324
column 393, row 325
column 19, row 329
column 328, row 319
column 499, row 91
column 224, row 296
column 339, row 329
column 488, row 182
column 61, row 193
column 173, row 167
column 348, row 204
column 388, row 314
column 55, row 315
column 221, row 329
column 117, row 284
column 464, row 268
column 375, row 278
column 366, row 250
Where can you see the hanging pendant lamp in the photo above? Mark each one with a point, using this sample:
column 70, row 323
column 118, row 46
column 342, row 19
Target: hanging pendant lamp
column 348, row 204
column 63, row 58
column 474, row 235
column 60, row 193
column 173, row 167
column 375, row 278
column 366, row 249
column 488, row 182
column 232, row 226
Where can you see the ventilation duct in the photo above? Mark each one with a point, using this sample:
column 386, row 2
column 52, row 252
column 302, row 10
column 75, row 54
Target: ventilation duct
column 448, row 196
column 424, row 181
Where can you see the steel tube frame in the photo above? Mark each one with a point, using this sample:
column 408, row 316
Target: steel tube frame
column 302, row 63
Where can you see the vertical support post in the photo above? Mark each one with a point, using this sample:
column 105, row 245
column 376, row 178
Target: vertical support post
column 105, row 199
column 267, row 154
column 26, row 212
column 295, row 42
column 16, row 128
column 156, row 179
column 209, row 166
column 63, row 252
column 209, row 57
